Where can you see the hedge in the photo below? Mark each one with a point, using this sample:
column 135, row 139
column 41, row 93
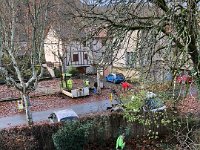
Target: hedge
column 37, row 137
column 98, row 130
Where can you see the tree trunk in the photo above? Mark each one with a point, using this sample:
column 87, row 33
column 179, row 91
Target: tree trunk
column 63, row 67
column 192, row 47
column 26, row 101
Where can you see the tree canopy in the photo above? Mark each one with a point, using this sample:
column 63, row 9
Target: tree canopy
column 168, row 30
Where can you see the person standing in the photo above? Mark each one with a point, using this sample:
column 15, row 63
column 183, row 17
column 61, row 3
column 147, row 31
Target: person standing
column 125, row 85
column 86, row 83
column 95, row 88
column 69, row 84
column 120, row 144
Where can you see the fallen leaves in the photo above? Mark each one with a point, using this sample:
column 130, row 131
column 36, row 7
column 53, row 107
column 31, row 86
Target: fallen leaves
column 51, row 101
column 190, row 105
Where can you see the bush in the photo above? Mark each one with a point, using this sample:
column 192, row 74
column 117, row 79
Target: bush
column 57, row 72
column 95, row 130
column 72, row 136
column 72, row 70
column 27, row 74
column 46, row 73
column 2, row 80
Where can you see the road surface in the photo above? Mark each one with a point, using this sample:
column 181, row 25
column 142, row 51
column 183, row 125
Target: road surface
column 80, row 109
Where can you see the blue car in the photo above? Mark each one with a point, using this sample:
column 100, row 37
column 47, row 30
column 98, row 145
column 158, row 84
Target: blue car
column 115, row 78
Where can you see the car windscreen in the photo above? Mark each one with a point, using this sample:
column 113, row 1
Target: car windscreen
column 120, row 76
column 69, row 119
column 154, row 103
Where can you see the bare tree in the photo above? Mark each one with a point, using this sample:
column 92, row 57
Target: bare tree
column 165, row 29
column 67, row 31
column 22, row 26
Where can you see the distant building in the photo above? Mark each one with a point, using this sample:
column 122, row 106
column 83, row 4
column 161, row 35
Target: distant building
column 78, row 52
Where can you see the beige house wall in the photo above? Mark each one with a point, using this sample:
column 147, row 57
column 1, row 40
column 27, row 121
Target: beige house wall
column 128, row 45
column 52, row 45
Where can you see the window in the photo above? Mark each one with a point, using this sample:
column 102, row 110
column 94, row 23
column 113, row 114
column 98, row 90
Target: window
column 85, row 56
column 75, row 57
column 70, row 118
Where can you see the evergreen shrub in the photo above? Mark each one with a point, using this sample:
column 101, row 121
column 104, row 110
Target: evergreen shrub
column 72, row 70
column 72, row 136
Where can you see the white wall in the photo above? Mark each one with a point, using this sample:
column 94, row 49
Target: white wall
column 51, row 45
column 96, row 47
column 128, row 45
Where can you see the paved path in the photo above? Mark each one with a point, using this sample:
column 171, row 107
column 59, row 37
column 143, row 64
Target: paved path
column 43, row 115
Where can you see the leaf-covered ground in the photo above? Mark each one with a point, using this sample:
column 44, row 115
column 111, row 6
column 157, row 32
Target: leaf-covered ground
column 57, row 100
column 189, row 105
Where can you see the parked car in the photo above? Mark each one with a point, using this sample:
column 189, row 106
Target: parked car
column 153, row 103
column 184, row 79
column 115, row 78
column 117, row 108
column 63, row 116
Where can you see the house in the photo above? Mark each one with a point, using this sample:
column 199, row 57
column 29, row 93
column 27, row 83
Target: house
column 136, row 58
column 140, row 50
column 63, row 47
